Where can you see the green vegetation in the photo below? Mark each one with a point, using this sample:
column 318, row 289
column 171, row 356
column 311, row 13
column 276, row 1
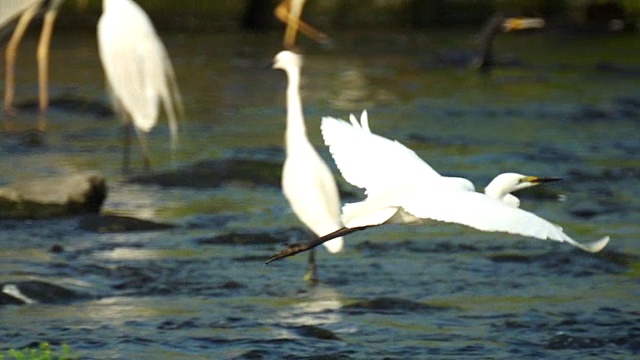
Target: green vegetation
column 42, row 352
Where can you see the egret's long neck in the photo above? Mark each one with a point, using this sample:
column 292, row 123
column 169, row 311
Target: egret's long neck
column 495, row 192
column 295, row 119
column 502, row 195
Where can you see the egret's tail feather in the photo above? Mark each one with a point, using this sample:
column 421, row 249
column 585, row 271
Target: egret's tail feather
column 298, row 248
column 592, row 247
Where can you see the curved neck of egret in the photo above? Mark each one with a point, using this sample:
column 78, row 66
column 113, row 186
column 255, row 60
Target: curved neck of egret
column 295, row 118
column 496, row 192
column 499, row 191
column 511, row 201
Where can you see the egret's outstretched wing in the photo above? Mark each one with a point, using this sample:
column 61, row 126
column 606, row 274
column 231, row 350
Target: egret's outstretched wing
column 484, row 213
column 369, row 161
column 363, row 123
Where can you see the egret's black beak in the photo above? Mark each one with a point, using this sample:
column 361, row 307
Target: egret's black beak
column 540, row 180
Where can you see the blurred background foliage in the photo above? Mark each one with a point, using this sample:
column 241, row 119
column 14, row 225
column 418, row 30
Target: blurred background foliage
column 230, row 15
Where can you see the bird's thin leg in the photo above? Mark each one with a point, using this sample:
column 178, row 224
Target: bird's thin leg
column 43, row 59
column 142, row 138
column 294, row 24
column 298, row 248
column 293, row 21
column 312, row 270
column 126, row 146
column 12, row 53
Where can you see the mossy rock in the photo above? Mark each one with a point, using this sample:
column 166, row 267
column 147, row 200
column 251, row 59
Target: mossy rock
column 53, row 197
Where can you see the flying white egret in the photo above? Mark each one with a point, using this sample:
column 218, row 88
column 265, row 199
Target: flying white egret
column 307, row 182
column 138, row 71
column 26, row 10
column 402, row 188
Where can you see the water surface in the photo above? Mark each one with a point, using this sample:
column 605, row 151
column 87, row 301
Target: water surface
column 439, row 291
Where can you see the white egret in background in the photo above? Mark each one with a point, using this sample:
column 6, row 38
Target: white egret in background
column 402, row 188
column 307, row 182
column 25, row 10
column 138, row 72
column 289, row 12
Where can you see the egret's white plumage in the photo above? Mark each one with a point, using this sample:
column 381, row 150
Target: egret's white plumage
column 402, row 188
column 11, row 9
column 307, row 182
column 501, row 187
column 137, row 67
column 364, row 121
column 370, row 161
column 25, row 10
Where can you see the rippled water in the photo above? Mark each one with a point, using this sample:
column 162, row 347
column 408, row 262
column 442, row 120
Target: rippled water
column 200, row 289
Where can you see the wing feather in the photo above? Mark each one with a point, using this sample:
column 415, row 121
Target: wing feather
column 369, row 161
column 484, row 213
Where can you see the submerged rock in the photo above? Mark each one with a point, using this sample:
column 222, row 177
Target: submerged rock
column 33, row 292
column 390, row 305
column 511, row 258
column 312, row 331
column 617, row 68
column 71, row 103
column 21, row 140
column 53, row 197
column 114, row 224
column 220, row 172
column 215, row 173
column 565, row 341
column 273, row 237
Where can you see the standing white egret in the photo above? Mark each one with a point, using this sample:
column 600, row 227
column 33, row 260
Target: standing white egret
column 138, row 71
column 402, row 188
column 26, row 10
column 307, row 182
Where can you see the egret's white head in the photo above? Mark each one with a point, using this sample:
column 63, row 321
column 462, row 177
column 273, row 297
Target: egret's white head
column 510, row 182
column 287, row 60
column 504, row 184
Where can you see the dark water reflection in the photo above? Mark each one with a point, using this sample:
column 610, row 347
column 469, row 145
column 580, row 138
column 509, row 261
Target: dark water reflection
column 196, row 291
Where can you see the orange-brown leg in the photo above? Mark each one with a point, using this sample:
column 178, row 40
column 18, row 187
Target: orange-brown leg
column 289, row 11
column 43, row 59
column 11, row 55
